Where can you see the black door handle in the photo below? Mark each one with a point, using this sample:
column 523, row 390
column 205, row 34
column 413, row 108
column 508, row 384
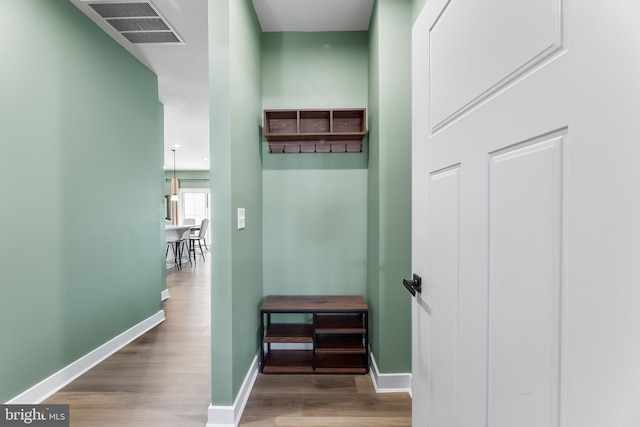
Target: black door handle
column 413, row 285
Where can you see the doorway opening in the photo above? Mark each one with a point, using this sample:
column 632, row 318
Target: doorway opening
column 195, row 203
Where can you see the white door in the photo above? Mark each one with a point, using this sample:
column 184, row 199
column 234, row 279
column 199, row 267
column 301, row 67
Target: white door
column 526, row 213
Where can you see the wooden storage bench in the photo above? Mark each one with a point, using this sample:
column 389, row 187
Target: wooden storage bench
column 334, row 341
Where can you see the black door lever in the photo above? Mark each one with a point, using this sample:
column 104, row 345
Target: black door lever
column 413, row 285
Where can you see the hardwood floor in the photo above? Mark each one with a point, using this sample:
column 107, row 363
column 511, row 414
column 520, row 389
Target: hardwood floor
column 164, row 379
column 161, row 379
column 323, row 400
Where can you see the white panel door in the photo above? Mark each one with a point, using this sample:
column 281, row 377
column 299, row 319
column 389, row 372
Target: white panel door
column 526, row 213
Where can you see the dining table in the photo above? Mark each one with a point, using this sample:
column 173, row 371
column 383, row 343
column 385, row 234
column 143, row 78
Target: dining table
column 176, row 232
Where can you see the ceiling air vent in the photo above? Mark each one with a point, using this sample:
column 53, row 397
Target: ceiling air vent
column 137, row 22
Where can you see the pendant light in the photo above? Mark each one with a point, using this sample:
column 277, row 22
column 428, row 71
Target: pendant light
column 174, row 181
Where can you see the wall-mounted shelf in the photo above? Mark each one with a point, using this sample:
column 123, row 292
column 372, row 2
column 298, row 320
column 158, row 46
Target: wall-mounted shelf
column 315, row 131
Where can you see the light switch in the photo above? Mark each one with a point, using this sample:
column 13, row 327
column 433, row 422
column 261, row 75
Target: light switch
column 241, row 218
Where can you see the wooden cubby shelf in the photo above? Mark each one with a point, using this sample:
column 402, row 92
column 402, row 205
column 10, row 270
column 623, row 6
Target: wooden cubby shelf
column 289, row 333
column 334, row 341
column 315, row 131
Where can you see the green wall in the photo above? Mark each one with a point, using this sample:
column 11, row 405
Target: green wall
column 315, row 232
column 236, row 176
column 314, row 204
column 314, row 70
column 389, row 184
column 81, row 259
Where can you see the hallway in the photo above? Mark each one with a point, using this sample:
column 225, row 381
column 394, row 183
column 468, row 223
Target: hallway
column 161, row 379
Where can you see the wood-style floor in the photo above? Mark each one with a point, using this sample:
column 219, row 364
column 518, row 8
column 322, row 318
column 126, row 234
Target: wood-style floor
column 163, row 379
column 323, row 400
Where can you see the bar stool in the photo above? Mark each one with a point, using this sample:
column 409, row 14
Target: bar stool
column 200, row 237
column 174, row 245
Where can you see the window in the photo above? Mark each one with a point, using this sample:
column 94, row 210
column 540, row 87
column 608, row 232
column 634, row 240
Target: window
column 194, row 203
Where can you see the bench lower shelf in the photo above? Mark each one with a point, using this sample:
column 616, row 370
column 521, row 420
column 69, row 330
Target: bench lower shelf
column 301, row 362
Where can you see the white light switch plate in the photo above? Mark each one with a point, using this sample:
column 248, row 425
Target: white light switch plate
column 241, row 219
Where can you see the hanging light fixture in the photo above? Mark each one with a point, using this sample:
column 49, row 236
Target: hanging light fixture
column 174, row 181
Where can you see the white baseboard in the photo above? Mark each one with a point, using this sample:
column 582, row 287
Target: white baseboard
column 229, row 416
column 388, row 383
column 64, row 376
column 164, row 295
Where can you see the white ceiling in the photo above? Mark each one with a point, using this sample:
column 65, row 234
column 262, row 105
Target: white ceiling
column 182, row 69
